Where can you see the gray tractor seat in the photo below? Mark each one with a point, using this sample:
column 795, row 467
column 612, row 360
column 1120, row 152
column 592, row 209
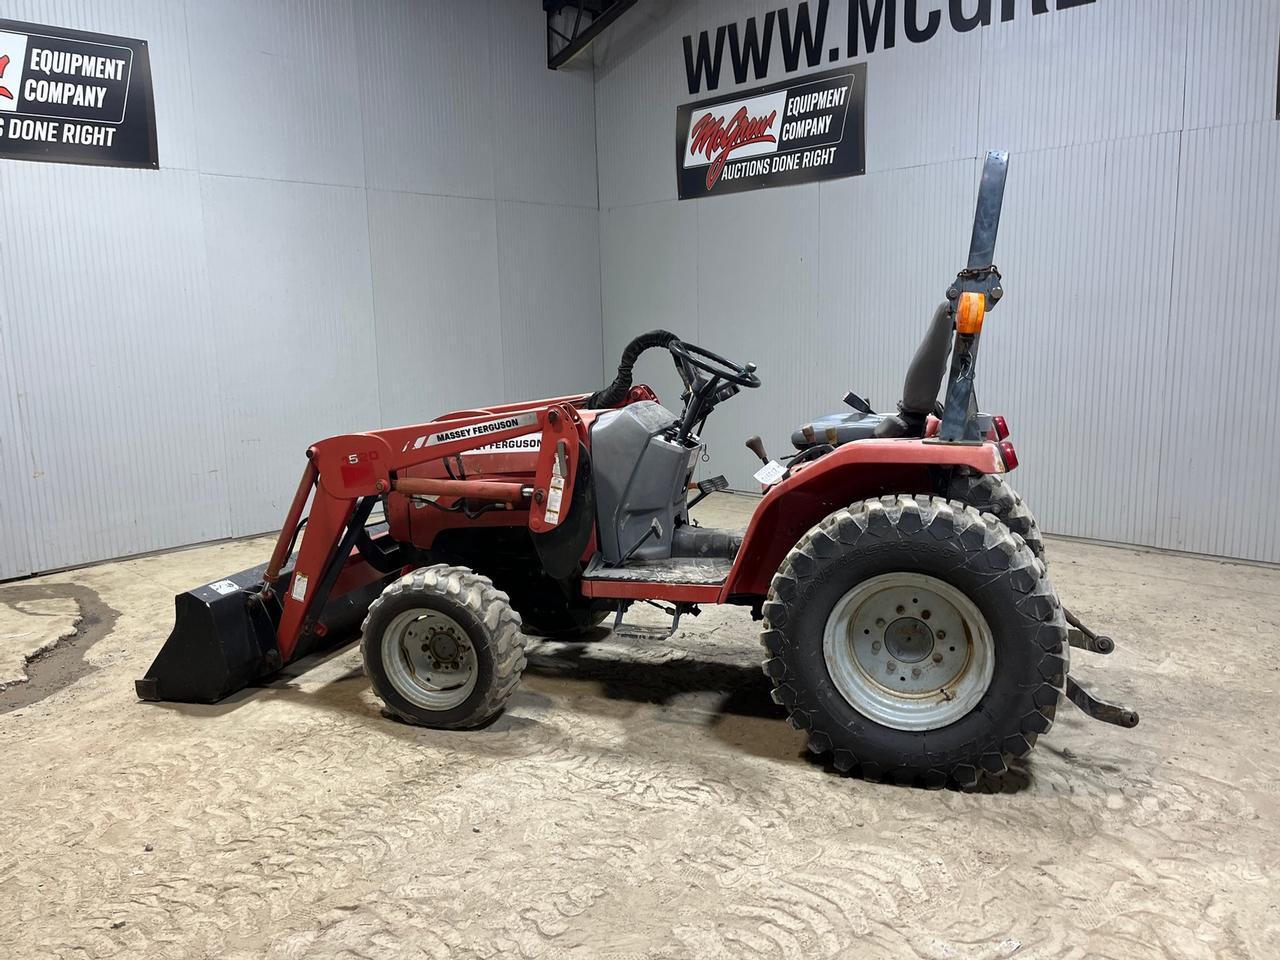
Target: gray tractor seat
column 854, row 425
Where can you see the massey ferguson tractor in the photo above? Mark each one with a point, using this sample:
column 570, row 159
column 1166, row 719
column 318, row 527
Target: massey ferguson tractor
column 908, row 622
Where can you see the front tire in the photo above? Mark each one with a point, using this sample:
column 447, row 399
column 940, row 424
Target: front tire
column 443, row 648
column 856, row 662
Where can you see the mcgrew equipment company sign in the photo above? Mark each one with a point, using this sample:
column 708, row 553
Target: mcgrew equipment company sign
column 73, row 97
column 809, row 128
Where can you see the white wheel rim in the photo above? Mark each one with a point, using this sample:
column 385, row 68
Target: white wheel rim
column 429, row 659
column 909, row 651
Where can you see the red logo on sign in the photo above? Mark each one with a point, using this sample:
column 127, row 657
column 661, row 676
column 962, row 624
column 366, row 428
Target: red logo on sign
column 4, row 64
column 714, row 139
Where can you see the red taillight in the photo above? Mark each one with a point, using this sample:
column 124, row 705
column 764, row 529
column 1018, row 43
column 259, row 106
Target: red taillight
column 1001, row 427
column 1008, row 454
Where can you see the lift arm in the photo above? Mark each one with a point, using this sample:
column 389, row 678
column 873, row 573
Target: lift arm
column 346, row 475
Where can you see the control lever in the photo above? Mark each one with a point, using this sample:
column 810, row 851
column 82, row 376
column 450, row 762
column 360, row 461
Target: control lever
column 655, row 530
column 707, row 487
column 858, row 403
column 725, row 392
column 756, row 446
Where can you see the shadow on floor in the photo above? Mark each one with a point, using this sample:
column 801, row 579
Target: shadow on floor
column 730, row 701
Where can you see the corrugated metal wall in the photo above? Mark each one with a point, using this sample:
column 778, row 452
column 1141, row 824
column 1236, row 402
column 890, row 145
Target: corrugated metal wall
column 372, row 210
column 369, row 212
column 1137, row 351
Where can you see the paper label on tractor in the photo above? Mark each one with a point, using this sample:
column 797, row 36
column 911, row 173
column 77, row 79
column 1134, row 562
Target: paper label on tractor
column 223, row 587
column 299, row 591
column 770, row 473
column 555, row 496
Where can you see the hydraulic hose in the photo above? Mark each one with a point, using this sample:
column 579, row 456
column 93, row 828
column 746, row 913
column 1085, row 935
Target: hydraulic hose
column 616, row 392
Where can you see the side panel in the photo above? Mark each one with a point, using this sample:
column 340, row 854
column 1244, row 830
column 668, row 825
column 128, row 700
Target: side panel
column 856, row 471
column 638, row 476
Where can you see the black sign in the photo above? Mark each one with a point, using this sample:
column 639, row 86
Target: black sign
column 810, row 128
column 72, row 97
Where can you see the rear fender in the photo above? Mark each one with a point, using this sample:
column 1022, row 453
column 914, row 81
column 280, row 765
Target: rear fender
column 852, row 472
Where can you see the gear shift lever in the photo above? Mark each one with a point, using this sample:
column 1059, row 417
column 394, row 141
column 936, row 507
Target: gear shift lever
column 756, row 446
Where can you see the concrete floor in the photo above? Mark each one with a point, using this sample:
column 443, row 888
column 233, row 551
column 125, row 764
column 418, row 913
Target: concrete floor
column 633, row 801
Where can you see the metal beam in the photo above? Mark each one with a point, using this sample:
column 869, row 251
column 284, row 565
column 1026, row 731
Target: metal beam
column 581, row 35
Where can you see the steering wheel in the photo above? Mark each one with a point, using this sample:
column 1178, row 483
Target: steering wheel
column 717, row 366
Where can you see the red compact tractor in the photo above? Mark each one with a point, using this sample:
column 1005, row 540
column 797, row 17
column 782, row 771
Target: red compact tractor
column 909, row 625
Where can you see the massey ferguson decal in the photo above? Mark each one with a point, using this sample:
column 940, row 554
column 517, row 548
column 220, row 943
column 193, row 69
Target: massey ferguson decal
column 792, row 132
column 74, row 97
column 475, row 430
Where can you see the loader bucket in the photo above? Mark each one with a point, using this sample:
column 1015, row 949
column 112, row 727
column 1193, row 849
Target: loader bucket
column 224, row 637
column 222, row 641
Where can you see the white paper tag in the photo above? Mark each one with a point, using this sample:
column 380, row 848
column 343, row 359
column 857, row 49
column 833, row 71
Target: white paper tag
column 299, row 591
column 770, row 473
column 223, row 587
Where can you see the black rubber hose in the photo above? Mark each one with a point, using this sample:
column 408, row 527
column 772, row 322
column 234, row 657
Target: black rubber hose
column 616, row 392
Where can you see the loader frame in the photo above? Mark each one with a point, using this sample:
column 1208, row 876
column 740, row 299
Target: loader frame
column 347, row 474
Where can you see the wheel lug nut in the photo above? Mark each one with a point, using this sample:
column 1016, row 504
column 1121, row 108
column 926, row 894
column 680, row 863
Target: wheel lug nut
column 880, row 623
column 942, row 634
column 915, row 673
column 875, row 647
column 890, row 667
column 937, row 658
column 901, row 609
column 925, row 615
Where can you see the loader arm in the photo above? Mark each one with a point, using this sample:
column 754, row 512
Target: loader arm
column 229, row 633
column 347, row 474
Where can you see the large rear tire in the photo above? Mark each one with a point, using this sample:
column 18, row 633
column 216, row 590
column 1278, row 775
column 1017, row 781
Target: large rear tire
column 916, row 640
column 443, row 647
column 991, row 493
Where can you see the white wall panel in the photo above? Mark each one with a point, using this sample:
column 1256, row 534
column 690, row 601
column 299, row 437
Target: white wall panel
column 639, row 80
column 543, row 120
column 277, row 93
column 171, row 342
column 1220, row 436
column 439, row 325
column 112, row 351
column 291, row 291
column 757, row 288
column 426, row 95
column 549, row 280
column 922, row 99
column 15, row 519
column 1231, row 62
column 1075, row 353
column 1096, row 72
column 889, row 243
column 649, row 274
